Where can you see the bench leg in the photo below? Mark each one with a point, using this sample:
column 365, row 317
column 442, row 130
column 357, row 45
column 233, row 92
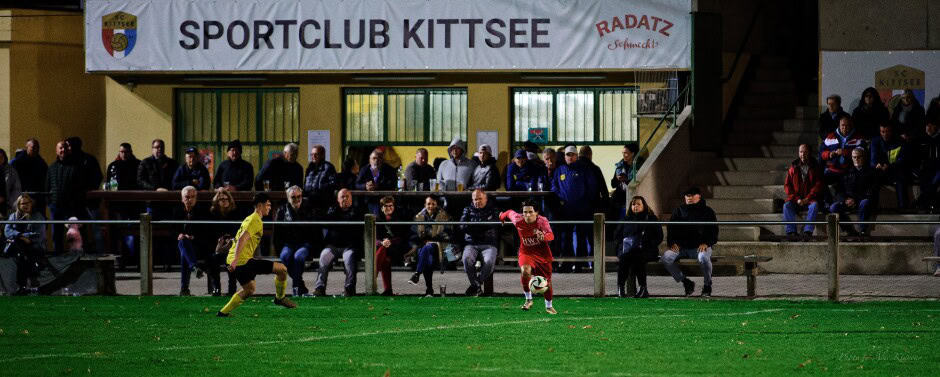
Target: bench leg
column 751, row 272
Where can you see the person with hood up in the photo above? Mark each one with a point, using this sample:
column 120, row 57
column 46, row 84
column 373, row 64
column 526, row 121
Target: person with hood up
column 458, row 169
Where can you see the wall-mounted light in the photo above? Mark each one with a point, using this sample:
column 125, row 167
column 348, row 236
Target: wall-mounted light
column 562, row 77
column 395, row 78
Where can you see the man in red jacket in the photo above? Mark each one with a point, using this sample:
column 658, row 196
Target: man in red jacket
column 803, row 188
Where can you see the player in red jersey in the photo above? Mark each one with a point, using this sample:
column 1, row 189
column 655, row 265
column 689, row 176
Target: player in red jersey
column 534, row 253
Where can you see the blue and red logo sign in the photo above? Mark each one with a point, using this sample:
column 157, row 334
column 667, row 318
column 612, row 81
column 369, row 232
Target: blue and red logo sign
column 119, row 33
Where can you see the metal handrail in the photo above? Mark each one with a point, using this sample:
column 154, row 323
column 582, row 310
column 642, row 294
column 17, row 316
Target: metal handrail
column 747, row 37
column 670, row 111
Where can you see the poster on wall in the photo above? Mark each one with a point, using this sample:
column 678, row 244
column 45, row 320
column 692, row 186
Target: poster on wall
column 312, row 35
column 848, row 73
column 319, row 137
column 490, row 138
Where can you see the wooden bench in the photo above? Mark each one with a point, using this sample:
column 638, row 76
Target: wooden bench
column 722, row 265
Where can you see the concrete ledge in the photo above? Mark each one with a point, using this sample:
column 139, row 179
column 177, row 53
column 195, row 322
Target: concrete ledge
column 874, row 258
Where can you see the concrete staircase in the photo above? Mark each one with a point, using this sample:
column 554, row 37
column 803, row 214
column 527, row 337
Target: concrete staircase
column 747, row 182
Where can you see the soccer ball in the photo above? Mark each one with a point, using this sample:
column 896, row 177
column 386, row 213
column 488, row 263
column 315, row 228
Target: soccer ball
column 538, row 284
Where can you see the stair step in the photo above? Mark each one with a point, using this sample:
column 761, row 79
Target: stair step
column 774, row 62
column 765, row 100
column 772, row 74
column 751, row 178
column 771, row 87
column 756, row 150
column 741, row 205
column 756, row 112
column 800, row 125
column 762, row 164
column 739, row 233
column 757, row 125
column 807, row 112
column 774, row 138
column 747, row 192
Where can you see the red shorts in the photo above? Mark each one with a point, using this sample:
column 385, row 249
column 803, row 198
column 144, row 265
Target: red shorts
column 539, row 267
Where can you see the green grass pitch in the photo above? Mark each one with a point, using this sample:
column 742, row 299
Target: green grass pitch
column 456, row 336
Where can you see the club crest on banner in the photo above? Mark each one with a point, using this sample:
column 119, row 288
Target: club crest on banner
column 119, row 33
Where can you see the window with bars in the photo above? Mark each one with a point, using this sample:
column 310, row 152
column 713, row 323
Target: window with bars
column 404, row 116
column 580, row 115
column 264, row 120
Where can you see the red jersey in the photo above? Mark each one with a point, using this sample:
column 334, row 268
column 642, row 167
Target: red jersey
column 531, row 246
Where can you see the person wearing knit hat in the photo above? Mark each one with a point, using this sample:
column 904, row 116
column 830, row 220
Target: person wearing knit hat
column 234, row 173
column 486, row 174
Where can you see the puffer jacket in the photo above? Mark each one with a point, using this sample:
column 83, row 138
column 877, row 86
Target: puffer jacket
column 480, row 234
column 648, row 236
column 431, row 233
column 342, row 235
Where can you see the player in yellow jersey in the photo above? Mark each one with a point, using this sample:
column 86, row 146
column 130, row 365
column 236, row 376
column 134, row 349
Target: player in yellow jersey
column 240, row 260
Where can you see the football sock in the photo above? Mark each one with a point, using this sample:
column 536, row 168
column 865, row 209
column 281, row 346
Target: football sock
column 279, row 286
column 232, row 304
column 528, row 295
column 548, row 304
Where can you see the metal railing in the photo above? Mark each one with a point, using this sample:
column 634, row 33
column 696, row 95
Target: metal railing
column 599, row 226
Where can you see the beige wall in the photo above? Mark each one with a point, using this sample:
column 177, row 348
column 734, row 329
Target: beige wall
column 871, row 25
column 50, row 96
column 137, row 115
column 5, row 100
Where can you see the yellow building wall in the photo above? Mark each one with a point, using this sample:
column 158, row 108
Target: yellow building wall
column 5, row 100
column 137, row 115
column 51, row 97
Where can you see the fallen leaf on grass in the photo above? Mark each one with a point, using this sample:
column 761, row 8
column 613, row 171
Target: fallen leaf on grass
column 571, row 326
column 217, row 358
column 24, row 332
column 740, row 342
column 795, row 316
column 205, row 309
column 551, row 349
column 587, row 327
column 157, row 338
column 388, row 372
column 744, row 323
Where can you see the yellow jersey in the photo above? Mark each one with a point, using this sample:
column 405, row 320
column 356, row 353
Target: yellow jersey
column 252, row 224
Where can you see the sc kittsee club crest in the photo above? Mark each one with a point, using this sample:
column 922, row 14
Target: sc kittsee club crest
column 119, row 33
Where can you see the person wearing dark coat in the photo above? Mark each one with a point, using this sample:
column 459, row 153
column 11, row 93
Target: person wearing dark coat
column 624, row 173
column 123, row 170
column 419, row 173
column 857, row 192
column 223, row 211
column 691, row 241
column 193, row 241
column 339, row 242
column 156, row 172
column 639, row 244
column 481, row 242
column 486, row 173
column 576, row 187
column 66, row 194
column 523, row 174
column 281, row 172
column 391, row 241
column 32, row 169
column 377, row 176
column 234, row 173
column 192, row 172
column 890, row 157
column 320, row 182
column 927, row 166
column 870, row 113
column 829, row 119
column 295, row 242
column 346, row 179
column 88, row 167
column 909, row 116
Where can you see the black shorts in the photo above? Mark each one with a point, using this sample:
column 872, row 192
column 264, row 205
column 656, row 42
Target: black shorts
column 246, row 273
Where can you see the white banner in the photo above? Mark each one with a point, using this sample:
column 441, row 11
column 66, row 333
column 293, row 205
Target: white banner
column 310, row 35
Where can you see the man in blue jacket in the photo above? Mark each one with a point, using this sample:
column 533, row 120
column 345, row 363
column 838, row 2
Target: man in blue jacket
column 522, row 174
column 576, row 187
column 480, row 241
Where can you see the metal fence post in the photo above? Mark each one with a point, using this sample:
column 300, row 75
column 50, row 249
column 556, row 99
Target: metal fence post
column 600, row 243
column 368, row 248
column 832, row 231
column 146, row 255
